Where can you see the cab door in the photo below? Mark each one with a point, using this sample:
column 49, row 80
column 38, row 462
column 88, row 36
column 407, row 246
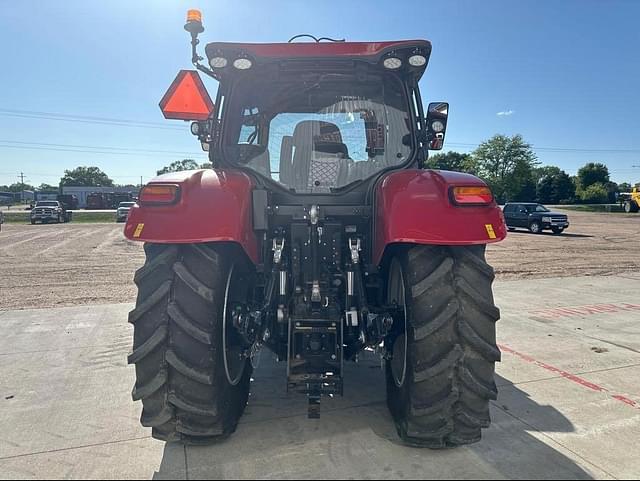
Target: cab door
column 521, row 216
column 509, row 211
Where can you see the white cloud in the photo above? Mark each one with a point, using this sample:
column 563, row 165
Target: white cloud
column 506, row 113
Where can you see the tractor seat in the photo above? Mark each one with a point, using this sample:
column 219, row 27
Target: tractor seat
column 319, row 160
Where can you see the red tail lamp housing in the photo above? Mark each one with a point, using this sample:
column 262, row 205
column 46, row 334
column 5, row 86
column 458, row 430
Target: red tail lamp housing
column 159, row 194
column 471, row 195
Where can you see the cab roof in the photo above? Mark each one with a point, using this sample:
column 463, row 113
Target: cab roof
column 369, row 52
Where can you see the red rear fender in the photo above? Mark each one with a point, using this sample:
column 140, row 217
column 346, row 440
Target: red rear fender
column 214, row 206
column 413, row 206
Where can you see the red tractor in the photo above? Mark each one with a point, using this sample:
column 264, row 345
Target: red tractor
column 317, row 234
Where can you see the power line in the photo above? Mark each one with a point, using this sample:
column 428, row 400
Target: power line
column 557, row 149
column 39, row 174
column 90, row 149
column 157, row 125
column 29, row 114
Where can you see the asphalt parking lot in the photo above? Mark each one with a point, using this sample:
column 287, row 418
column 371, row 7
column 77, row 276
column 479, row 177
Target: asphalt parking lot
column 569, row 403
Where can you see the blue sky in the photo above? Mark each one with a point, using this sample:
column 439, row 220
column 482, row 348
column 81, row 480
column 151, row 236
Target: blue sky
column 566, row 74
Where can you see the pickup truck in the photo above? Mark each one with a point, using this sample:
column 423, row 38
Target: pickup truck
column 123, row 211
column 47, row 211
column 534, row 217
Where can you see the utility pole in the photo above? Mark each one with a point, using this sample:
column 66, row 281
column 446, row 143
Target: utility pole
column 22, row 186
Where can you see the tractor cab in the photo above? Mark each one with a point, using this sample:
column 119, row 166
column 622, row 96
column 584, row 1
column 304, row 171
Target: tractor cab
column 313, row 118
column 317, row 234
column 318, row 118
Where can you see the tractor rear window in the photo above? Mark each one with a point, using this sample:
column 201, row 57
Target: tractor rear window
column 319, row 135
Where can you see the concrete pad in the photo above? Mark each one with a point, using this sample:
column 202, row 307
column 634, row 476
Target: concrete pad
column 576, row 343
column 68, row 381
column 575, row 417
column 66, row 411
column 136, row 459
column 360, row 443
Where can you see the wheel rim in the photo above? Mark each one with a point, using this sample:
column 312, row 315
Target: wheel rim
column 627, row 208
column 234, row 362
column 535, row 228
column 400, row 345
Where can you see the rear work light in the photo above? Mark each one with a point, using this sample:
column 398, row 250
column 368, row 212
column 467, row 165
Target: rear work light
column 218, row 62
column 471, row 195
column 159, row 194
column 242, row 63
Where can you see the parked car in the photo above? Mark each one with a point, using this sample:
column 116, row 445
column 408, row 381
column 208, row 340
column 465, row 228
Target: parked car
column 47, row 211
column 535, row 217
column 123, row 211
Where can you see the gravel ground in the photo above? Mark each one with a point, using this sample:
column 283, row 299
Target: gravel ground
column 595, row 244
column 55, row 265
column 82, row 264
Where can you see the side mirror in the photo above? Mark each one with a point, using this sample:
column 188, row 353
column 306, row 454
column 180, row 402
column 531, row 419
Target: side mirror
column 437, row 115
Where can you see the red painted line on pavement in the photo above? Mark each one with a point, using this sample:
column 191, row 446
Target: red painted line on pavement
column 627, row 401
column 582, row 311
column 571, row 377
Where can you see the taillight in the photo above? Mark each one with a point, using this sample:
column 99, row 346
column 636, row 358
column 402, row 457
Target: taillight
column 159, row 194
column 471, row 195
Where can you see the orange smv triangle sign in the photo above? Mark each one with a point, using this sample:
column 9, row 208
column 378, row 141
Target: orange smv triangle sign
column 187, row 98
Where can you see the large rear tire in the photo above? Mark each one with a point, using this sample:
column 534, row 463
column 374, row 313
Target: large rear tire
column 442, row 400
column 178, row 343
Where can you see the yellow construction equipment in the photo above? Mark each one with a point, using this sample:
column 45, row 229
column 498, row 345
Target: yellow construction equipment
column 630, row 201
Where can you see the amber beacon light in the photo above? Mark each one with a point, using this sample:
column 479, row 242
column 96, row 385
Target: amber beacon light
column 194, row 22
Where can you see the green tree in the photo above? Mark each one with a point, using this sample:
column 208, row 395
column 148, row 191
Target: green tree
column 564, row 188
column 85, row 177
column 556, row 187
column 179, row 165
column 18, row 187
column 612, row 192
column 597, row 193
column 507, row 165
column 454, row 161
column 593, row 173
column 43, row 186
column 545, row 170
column 624, row 187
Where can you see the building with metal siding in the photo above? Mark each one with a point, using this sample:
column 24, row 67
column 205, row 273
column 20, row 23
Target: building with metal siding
column 82, row 192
